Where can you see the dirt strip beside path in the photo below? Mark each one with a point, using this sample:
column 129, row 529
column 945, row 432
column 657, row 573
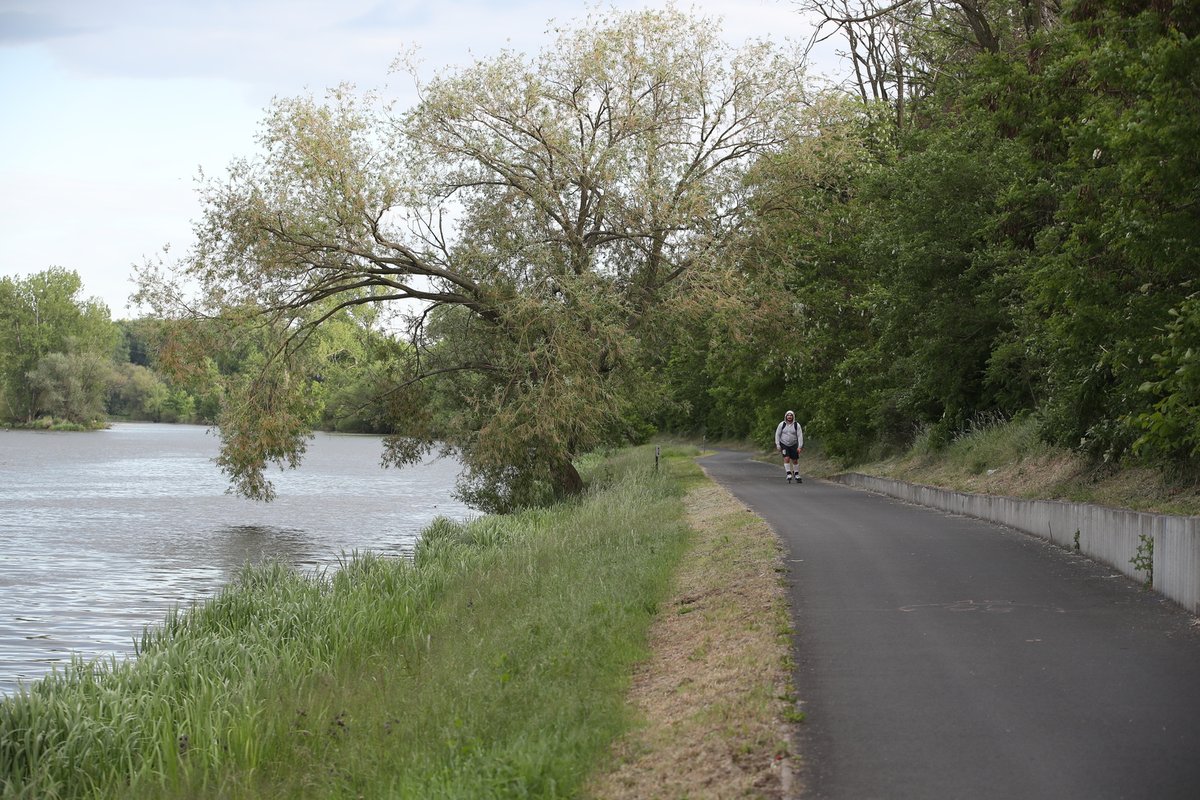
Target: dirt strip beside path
column 715, row 696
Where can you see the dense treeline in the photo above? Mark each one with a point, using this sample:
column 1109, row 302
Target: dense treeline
column 56, row 350
column 64, row 363
column 1016, row 234
column 996, row 217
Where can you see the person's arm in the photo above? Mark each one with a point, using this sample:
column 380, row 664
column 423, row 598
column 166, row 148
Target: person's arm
column 799, row 437
column 778, row 430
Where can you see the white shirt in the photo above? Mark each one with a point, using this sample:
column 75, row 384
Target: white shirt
column 789, row 434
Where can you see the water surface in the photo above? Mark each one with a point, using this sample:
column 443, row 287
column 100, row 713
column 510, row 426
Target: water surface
column 103, row 532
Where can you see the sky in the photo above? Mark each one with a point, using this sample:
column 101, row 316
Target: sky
column 111, row 109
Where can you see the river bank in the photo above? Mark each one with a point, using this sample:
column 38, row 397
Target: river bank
column 498, row 663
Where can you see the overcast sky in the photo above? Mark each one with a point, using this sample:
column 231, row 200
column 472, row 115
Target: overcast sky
column 110, row 108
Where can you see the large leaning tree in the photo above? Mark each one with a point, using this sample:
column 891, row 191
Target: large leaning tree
column 522, row 223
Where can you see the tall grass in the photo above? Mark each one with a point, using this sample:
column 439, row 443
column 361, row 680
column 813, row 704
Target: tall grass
column 493, row 664
column 988, row 441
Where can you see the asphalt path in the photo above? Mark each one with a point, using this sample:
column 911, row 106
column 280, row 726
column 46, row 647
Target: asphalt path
column 944, row 657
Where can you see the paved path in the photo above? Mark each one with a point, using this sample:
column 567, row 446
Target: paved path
column 944, row 657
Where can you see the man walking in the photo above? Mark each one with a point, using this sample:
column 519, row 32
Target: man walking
column 789, row 440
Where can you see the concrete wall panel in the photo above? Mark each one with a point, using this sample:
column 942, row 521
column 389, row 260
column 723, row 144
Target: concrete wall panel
column 1109, row 535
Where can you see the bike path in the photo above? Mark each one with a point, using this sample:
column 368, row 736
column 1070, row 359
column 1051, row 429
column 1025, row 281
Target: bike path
column 944, row 657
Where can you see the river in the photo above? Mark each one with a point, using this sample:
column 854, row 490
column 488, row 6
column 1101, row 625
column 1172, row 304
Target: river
column 104, row 532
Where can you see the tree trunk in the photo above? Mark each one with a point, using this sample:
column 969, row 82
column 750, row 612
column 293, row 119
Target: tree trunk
column 567, row 481
column 978, row 23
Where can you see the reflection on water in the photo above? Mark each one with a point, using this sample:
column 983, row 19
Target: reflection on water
column 104, row 532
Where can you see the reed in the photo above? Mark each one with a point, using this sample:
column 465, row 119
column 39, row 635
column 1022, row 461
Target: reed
column 493, row 664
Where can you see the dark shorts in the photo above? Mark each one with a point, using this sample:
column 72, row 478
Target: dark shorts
column 791, row 451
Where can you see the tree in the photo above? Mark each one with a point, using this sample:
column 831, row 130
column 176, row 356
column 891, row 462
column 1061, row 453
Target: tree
column 356, row 360
column 71, row 387
column 136, row 392
column 900, row 51
column 1171, row 428
column 801, row 306
column 1118, row 264
column 529, row 217
column 40, row 315
column 1035, row 240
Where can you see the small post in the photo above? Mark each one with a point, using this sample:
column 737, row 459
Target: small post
column 657, row 455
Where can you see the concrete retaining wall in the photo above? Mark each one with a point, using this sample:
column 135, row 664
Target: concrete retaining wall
column 1109, row 535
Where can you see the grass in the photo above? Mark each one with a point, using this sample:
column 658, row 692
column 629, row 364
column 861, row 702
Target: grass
column 1006, row 457
column 55, row 424
column 496, row 664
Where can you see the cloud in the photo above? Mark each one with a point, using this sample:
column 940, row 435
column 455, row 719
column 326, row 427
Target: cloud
column 26, row 27
column 270, row 45
column 284, row 47
column 392, row 16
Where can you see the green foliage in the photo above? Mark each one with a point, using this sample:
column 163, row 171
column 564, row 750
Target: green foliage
column 1171, row 429
column 990, row 441
column 71, row 387
column 1125, row 238
column 136, row 392
column 587, row 184
column 266, row 417
column 51, row 346
column 943, row 312
column 355, row 364
column 65, row 364
column 1025, row 241
column 793, row 299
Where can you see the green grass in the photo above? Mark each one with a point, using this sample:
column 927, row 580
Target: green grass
column 495, row 664
column 1007, row 457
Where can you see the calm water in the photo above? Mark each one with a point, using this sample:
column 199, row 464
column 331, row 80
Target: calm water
column 102, row 533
